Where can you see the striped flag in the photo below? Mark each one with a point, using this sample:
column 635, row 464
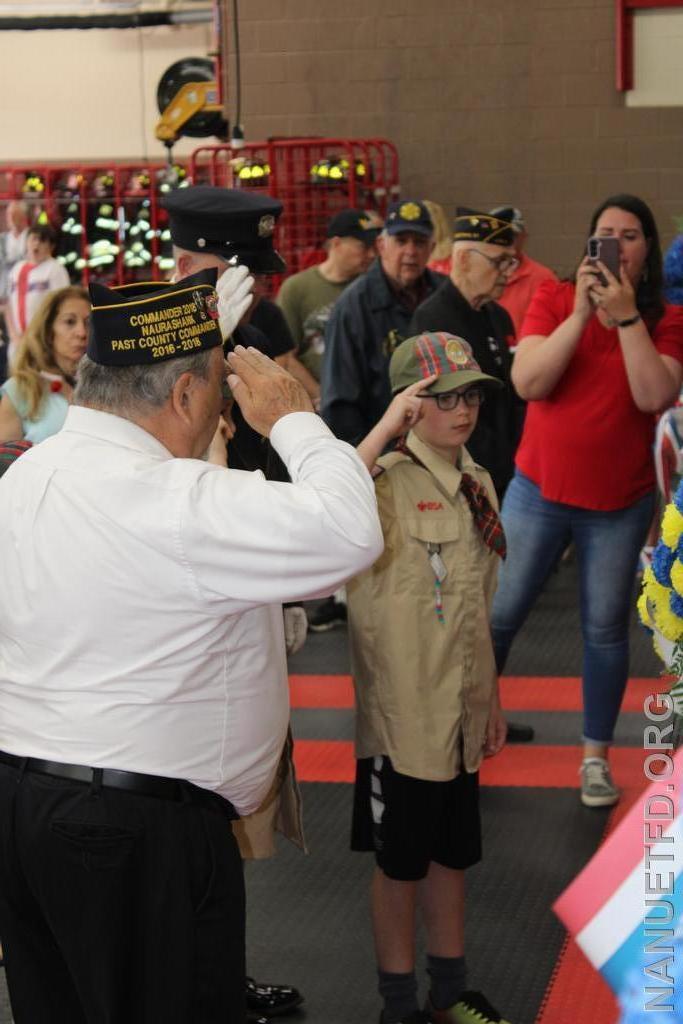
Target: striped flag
column 626, row 905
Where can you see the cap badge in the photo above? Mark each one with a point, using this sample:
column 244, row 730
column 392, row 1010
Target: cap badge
column 364, row 223
column 455, row 353
column 410, row 211
column 206, row 304
column 266, row 226
column 201, row 242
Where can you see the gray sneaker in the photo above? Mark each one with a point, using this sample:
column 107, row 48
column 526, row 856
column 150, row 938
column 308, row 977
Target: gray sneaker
column 597, row 787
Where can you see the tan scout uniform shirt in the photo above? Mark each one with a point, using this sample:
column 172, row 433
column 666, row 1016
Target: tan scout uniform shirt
column 423, row 688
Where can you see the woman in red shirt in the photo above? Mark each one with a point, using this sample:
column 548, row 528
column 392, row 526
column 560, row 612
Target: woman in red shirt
column 596, row 362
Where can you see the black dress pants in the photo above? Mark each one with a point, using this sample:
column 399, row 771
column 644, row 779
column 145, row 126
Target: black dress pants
column 117, row 907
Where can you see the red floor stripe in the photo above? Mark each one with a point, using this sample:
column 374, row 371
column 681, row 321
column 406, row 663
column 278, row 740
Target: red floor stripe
column 321, row 691
column 577, row 991
column 578, row 994
column 519, row 693
column 534, row 765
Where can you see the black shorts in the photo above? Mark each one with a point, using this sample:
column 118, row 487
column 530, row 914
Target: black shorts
column 410, row 822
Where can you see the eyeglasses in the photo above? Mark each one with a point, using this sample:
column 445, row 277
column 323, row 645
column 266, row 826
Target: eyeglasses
column 472, row 397
column 501, row 263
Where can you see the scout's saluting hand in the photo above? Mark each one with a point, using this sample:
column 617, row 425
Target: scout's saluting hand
column 403, row 413
column 263, row 390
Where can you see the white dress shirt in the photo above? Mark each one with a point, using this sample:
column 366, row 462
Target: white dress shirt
column 140, row 601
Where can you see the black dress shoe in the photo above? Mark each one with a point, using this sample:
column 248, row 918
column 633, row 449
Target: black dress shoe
column 265, row 1001
column 519, row 733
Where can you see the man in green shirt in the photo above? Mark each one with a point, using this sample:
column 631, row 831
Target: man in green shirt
column 307, row 298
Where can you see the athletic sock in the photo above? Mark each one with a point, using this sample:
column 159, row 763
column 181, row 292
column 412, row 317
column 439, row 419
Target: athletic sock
column 448, row 977
column 399, row 992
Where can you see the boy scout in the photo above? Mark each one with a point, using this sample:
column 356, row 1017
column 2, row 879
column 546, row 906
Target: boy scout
column 425, row 677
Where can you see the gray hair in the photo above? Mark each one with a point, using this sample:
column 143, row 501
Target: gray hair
column 128, row 391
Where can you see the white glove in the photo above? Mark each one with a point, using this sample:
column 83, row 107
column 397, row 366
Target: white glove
column 296, row 627
column 233, row 288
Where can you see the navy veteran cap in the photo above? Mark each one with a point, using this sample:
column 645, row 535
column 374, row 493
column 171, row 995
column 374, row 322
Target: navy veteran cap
column 436, row 352
column 408, row 215
column 227, row 222
column 472, row 226
column 353, row 224
column 147, row 323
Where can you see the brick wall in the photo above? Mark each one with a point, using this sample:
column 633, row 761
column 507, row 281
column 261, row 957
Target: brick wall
column 489, row 101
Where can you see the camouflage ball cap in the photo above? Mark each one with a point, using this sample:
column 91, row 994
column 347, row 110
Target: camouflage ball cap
column 436, row 352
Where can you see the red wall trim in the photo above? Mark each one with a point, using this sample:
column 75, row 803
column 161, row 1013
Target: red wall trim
column 624, row 12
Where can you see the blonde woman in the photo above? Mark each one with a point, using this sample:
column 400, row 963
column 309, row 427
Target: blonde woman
column 36, row 396
column 443, row 238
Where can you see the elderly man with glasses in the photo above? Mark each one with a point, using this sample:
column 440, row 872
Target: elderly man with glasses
column 484, row 258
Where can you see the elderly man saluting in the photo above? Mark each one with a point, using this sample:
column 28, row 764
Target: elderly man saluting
column 143, row 688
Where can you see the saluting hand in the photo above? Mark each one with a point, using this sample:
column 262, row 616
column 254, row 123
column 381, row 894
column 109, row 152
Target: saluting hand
column 263, row 390
column 234, row 290
column 406, row 409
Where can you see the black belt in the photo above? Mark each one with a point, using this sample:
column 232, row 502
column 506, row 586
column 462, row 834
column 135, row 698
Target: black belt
column 132, row 782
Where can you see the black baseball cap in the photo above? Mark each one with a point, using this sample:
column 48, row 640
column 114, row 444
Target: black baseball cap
column 352, row 224
column 511, row 214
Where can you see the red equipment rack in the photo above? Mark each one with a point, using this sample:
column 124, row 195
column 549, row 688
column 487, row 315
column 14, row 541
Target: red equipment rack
column 313, row 177
column 134, row 186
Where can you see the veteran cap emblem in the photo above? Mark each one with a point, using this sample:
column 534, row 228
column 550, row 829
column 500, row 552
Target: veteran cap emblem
column 410, row 211
column 266, row 226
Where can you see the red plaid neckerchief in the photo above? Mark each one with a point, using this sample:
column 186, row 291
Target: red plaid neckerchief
column 485, row 517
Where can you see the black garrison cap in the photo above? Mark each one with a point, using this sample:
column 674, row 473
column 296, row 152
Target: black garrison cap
column 150, row 322
column 472, row 226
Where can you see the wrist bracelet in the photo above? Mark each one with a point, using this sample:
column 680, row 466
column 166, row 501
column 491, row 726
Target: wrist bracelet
column 629, row 321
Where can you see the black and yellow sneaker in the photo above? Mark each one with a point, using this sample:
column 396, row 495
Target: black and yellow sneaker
column 471, row 1008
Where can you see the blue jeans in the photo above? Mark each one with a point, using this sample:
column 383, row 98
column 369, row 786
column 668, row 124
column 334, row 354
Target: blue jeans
column 607, row 546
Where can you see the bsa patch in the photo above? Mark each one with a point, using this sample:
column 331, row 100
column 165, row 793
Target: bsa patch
column 266, row 226
column 457, row 353
column 429, row 506
column 409, row 211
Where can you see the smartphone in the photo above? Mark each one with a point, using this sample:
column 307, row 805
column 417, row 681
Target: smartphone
column 608, row 251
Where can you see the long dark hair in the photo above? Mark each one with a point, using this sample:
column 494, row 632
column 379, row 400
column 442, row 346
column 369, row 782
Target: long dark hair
column 649, row 293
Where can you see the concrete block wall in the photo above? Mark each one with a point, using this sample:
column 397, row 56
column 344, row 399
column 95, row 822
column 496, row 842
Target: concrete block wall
column 489, row 101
